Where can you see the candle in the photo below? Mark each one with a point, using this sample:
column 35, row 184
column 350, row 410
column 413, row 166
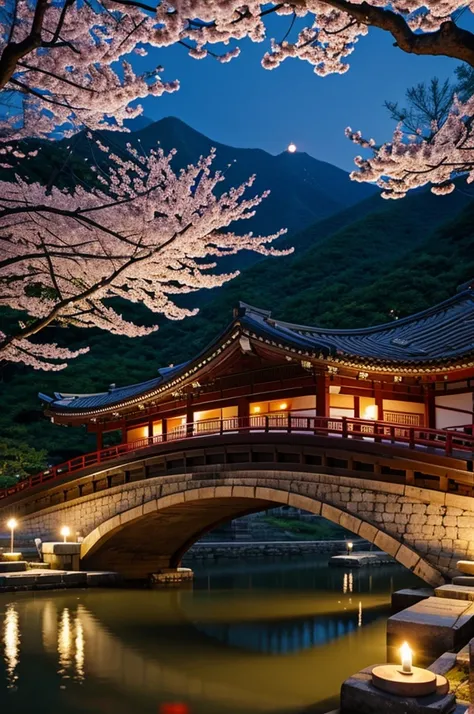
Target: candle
column 406, row 655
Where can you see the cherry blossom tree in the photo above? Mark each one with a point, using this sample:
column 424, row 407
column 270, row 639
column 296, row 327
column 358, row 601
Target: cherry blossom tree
column 148, row 236
column 69, row 63
column 148, row 233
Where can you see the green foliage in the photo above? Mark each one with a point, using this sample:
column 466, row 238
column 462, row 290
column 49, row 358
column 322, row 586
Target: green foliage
column 316, row 530
column 18, row 460
column 358, row 268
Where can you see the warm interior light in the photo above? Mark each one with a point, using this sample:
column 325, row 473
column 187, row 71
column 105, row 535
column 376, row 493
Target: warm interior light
column 283, row 405
column 407, row 658
column 65, row 532
column 257, row 409
column 370, row 412
column 183, row 421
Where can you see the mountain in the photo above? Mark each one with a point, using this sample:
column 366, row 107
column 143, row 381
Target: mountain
column 303, row 189
column 140, row 122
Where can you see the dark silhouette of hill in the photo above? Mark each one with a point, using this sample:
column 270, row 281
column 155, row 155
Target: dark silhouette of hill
column 302, row 188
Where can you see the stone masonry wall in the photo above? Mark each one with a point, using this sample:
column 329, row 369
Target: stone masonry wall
column 427, row 531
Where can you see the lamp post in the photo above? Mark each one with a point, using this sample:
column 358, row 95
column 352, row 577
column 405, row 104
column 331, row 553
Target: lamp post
column 350, row 545
column 65, row 532
column 12, row 524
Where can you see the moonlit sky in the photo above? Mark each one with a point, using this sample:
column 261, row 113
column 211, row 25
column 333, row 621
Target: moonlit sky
column 243, row 105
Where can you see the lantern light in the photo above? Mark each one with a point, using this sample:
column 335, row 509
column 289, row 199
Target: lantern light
column 12, row 524
column 65, row 532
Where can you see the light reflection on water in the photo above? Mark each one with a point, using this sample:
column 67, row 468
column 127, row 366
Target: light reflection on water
column 11, row 640
column 259, row 637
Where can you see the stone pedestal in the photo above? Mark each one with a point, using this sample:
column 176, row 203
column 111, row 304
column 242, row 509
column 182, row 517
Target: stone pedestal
column 62, row 556
column 359, row 696
column 172, row 576
column 401, row 599
column 433, row 626
column 14, row 566
column 12, row 557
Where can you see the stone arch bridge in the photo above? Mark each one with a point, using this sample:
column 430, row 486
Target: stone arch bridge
column 142, row 510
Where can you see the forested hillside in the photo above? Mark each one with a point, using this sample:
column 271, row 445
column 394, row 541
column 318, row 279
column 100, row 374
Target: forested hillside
column 402, row 257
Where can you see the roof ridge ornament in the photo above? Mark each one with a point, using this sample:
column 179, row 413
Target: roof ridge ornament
column 244, row 308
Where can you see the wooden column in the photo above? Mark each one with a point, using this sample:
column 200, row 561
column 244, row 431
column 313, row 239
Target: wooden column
column 150, row 429
column 357, row 407
column 378, row 401
column 322, row 395
column 430, row 406
column 189, row 415
column 243, row 407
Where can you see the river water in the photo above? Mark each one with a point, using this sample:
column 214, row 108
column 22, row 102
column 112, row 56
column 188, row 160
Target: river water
column 249, row 637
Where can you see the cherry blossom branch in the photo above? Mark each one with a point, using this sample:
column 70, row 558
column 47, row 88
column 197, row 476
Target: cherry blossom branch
column 159, row 236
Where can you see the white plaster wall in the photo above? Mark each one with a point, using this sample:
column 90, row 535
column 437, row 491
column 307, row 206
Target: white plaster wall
column 445, row 417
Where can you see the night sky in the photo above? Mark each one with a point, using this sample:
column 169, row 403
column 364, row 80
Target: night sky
column 243, row 105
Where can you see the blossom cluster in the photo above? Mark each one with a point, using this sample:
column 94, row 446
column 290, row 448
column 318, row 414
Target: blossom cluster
column 406, row 163
column 151, row 233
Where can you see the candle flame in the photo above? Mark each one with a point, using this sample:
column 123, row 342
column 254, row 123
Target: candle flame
column 405, row 650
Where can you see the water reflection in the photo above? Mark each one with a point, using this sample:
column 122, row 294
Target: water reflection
column 11, row 642
column 249, row 647
column 79, row 642
column 348, row 583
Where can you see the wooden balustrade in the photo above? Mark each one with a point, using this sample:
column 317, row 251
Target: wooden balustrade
column 441, row 442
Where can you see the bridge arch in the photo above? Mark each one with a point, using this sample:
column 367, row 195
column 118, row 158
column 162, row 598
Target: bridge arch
column 156, row 533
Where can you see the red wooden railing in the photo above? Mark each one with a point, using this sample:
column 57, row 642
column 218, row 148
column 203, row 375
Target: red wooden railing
column 439, row 441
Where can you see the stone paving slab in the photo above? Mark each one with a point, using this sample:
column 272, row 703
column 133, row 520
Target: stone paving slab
column 401, row 599
column 37, row 579
column 14, row 566
column 434, row 625
column 463, row 580
column 359, row 560
column 458, row 592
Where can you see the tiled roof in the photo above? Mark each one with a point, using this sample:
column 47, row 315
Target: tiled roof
column 441, row 335
column 114, row 395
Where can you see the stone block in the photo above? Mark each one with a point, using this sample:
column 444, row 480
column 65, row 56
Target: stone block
column 75, row 579
column 433, row 626
column 243, row 492
column 18, row 566
column 305, row 503
column 53, row 578
column 430, row 575
column 61, row 548
column 331, row 513
column 20, row 580
column 465, row 566
column 407, row 557
column 401, row 599
column 368, row 531
column 464, row 580
column 103, row 579
column 352, row 523
column 462, row 502
column 458, row 592
column 359, row 696
column 386, row 543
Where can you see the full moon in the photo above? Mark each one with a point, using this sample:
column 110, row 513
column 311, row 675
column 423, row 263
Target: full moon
column 291, row 148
